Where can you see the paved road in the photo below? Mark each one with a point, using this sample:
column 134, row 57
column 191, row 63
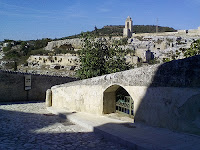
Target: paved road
column 28, row 126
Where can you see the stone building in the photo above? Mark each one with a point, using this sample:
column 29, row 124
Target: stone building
column 59, row 61
column 127, row 32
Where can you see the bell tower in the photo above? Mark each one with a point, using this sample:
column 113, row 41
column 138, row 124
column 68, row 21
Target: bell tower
column 127, row 32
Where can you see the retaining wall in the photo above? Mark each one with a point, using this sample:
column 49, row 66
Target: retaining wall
column 12, row 86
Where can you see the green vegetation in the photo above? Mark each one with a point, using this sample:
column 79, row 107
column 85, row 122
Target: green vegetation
column 159, row 41
column 130, row 52
column 8, row 48
column 38, row 52
column 139, row 38
column 110, row 31
column 7, row 40
column 166, row 59
column 151, row 29
column 154, row 61
column 193, row 50
column 107, row 57
column 99, row 58
column 169, row 40
column 123, row 41
column 64, row 49
column 19, row 51
column 117, row 30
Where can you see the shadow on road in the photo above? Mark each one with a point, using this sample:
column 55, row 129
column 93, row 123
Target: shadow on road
column 42, row 130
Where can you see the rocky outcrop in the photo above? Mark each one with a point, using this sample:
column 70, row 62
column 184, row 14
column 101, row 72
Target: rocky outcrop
column 76, row 43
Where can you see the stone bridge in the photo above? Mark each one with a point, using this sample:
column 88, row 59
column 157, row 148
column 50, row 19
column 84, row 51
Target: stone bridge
column 166, row 95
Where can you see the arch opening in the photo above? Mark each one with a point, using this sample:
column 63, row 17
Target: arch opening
column 117, row 100
column 128, row 25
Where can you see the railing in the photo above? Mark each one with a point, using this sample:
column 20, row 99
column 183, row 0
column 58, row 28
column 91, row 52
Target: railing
column 125, row 105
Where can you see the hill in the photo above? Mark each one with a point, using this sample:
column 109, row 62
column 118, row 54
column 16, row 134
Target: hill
column 117, row 30
column 21, row 50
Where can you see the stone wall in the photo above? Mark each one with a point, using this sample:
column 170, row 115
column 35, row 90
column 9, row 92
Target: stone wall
column 165, row 95
column 12, row 86
column 76, row 43
column 191, row 32
column 177, row 73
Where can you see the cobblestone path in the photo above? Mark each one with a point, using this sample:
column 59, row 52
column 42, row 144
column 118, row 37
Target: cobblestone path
column 29, row 126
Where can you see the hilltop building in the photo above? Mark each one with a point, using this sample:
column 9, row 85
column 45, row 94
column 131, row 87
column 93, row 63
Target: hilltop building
column 127, row 32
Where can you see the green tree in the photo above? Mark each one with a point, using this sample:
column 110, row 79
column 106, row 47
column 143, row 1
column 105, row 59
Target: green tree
column 98, row 57
column 7, row 40
column 24, row 48
column 91, row 56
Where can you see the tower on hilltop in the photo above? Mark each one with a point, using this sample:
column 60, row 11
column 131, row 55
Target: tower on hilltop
column 127, row 32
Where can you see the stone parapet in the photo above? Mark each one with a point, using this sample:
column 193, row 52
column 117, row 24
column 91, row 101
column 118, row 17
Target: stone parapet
column 177, row 73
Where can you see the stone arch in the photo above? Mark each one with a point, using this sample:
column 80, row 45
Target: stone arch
column 110, row 97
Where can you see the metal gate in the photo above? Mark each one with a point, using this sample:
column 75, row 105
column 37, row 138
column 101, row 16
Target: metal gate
column 125, row 105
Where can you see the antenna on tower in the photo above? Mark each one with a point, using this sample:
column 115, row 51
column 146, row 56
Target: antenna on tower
column 157, row 25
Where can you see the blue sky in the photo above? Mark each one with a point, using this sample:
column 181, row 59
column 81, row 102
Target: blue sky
column 36, row 19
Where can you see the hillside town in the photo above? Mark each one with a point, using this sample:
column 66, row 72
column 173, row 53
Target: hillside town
column 142, row 49
column 83, row 75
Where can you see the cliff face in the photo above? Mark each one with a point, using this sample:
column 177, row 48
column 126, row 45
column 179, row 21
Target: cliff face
column 76, row 43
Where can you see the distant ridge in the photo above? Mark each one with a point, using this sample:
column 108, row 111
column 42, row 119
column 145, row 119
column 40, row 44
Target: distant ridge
column 117, row 30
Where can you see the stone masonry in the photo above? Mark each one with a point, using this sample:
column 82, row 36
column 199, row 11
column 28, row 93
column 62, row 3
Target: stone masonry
column 164, row 95
column 27, row 126
column 12, row 87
